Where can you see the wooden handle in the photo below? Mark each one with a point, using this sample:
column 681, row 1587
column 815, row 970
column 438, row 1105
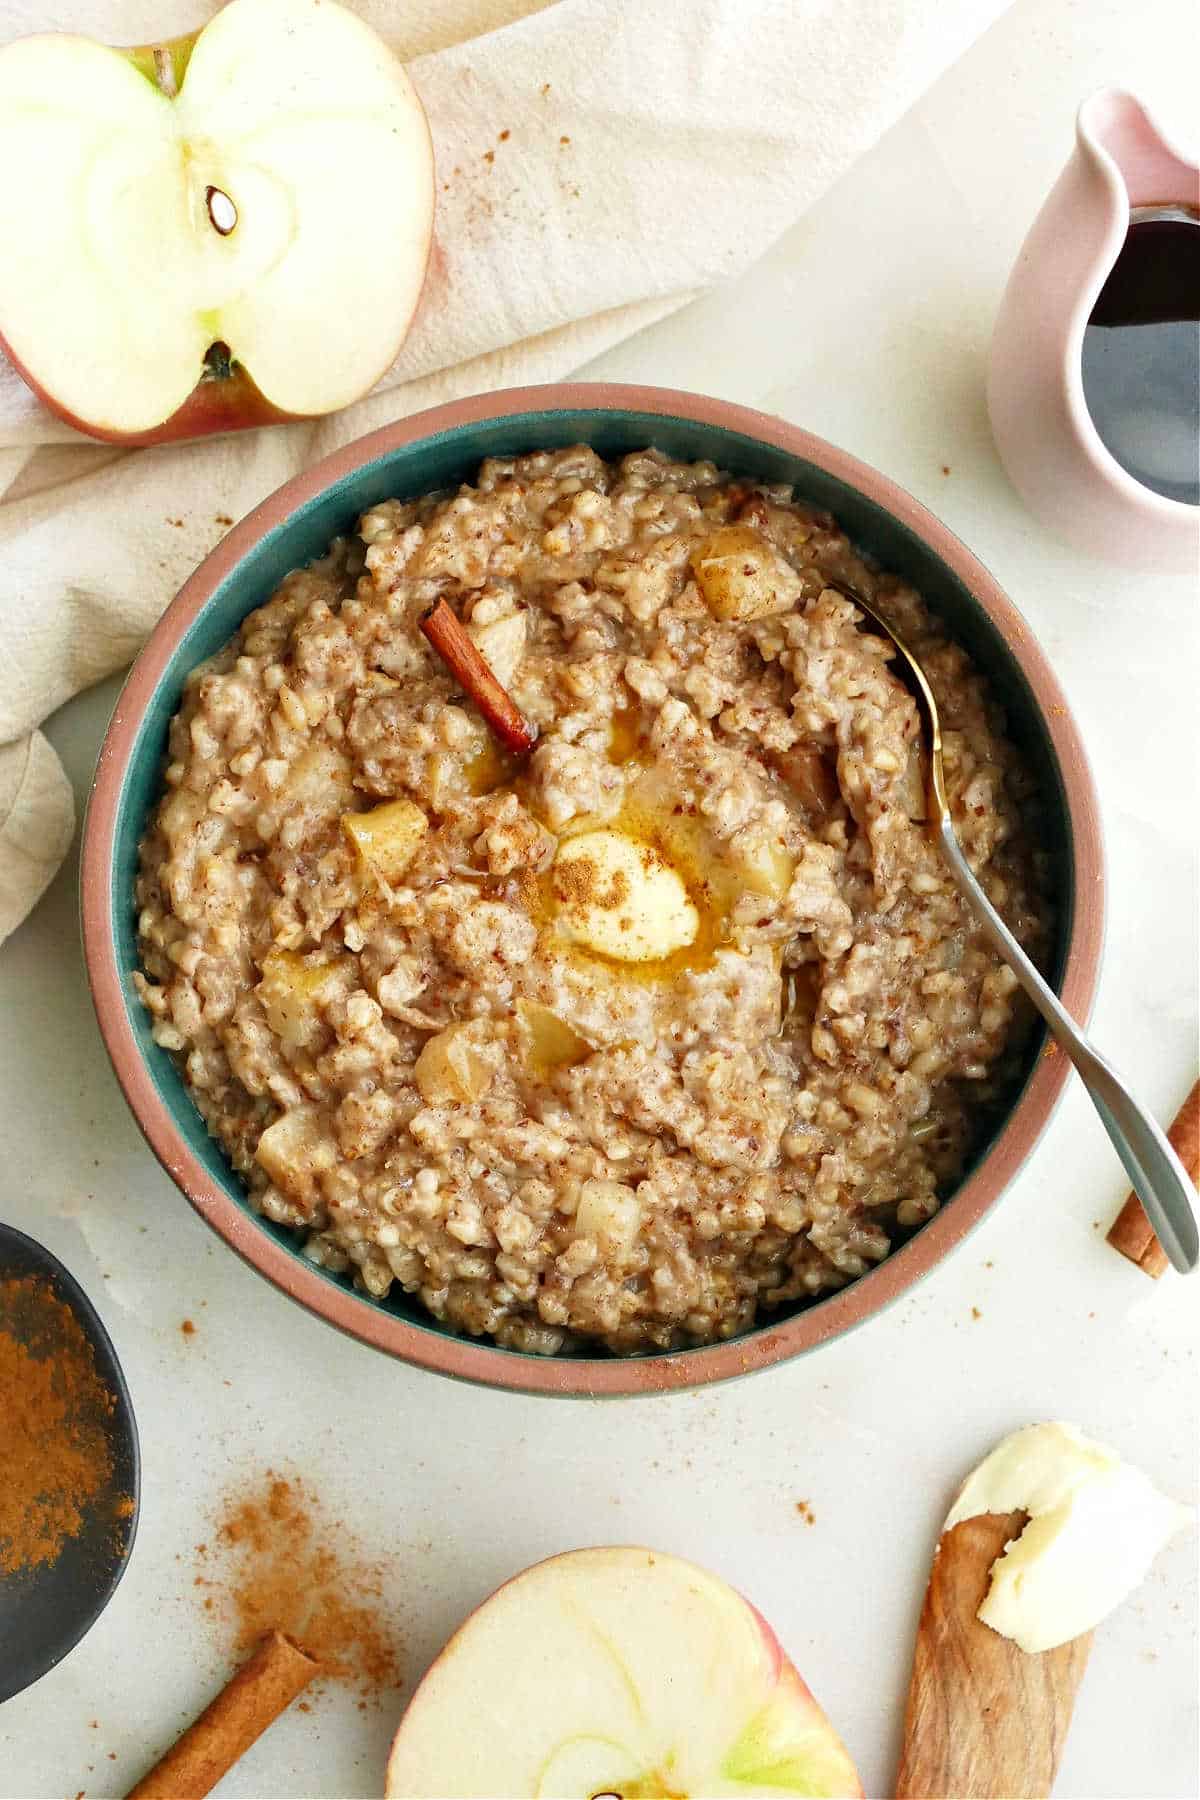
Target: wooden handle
column 1132, row 1233
column 985, row 1721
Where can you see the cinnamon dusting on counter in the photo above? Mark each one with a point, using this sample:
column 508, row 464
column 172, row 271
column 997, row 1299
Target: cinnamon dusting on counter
column 277, row 1560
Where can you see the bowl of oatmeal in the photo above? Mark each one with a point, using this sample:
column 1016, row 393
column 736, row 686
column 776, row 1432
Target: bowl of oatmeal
column 633, row 1037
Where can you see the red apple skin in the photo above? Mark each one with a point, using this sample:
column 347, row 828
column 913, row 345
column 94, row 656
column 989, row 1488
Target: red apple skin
column 785, row 1670
column 216, row 404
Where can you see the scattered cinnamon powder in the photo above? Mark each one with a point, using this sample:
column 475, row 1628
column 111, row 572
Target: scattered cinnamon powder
column 55, row 1449
column 277, row 1560
column 806, row 1512
column 187, row 1328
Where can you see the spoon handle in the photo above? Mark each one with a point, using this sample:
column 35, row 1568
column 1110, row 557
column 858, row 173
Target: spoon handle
column 1158, row 1177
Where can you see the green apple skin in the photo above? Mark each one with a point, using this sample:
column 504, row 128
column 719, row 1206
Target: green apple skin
column 771, row 1752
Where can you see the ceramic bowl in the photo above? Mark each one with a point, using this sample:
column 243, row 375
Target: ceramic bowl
column 438, row 449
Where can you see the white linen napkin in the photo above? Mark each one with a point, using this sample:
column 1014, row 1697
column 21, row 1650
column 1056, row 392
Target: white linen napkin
column 599, row 163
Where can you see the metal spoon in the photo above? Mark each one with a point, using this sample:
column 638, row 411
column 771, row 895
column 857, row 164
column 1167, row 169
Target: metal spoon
column 45, row 1610
column 1159, row 1178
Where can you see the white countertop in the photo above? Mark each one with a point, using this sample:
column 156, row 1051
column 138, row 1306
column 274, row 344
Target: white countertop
column 868, row 324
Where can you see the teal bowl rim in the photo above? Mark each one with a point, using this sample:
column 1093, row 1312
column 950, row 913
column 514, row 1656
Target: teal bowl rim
column 295, row 515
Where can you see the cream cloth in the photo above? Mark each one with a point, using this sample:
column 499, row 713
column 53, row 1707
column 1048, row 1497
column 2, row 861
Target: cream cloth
column 600, row 163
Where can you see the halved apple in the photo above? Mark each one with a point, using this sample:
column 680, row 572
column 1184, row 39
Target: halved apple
column 249, row 247
column 616, row 1672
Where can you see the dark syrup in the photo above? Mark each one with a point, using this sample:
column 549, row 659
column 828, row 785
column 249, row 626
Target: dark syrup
column 1141, row 354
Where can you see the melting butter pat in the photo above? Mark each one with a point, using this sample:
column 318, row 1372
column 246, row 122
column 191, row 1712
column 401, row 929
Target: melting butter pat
column 621, row 899
column 1095, row 1526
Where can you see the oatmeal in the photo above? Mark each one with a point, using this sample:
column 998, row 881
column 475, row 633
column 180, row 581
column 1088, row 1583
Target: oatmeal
column 678, row 1020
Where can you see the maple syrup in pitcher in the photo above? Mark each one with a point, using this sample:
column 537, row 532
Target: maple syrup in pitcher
column 1141, row 353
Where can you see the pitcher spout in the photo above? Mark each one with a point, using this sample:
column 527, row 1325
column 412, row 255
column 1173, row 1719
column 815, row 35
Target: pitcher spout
column 1116, row 133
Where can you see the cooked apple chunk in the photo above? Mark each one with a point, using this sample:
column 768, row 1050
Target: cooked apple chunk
column 293, row 993
column 295, row 1150
column 501, row 644
column 741, row 576
column 452, row 1068
column 386, row 838
column 766, row 867
column 320, row 773
column 609, row 1212
column 546, row 1041
column 811, row 773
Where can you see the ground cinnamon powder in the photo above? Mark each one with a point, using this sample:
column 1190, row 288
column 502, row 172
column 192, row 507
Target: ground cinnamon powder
column 55, row 1448
column 277, row 1560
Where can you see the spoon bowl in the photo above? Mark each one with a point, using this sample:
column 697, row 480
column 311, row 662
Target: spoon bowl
column 1159, row 1179
column 45, row 1610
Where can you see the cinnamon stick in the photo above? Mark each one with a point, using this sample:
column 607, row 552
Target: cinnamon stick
column 262, row 1689
column 447, row 634
column 1132, row 1233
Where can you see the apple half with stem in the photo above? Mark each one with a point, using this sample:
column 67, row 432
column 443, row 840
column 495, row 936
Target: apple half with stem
column 225, row 230
column 617, row 1673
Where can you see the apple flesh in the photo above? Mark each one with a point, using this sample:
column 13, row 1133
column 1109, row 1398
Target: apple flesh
column 216, row 232
column 615, row 1672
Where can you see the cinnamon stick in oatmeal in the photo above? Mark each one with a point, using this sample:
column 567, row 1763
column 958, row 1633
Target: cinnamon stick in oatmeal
column 262, row 1689
column 447, row 634
column 1132, row 1233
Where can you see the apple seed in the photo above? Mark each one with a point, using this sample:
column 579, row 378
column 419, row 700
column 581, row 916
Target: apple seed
column 222, row 212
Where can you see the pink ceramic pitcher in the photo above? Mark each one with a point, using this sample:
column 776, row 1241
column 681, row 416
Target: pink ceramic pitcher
column 1042, row 426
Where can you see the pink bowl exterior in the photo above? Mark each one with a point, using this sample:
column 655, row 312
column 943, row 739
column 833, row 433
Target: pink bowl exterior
column 1054, row 457
column 481, row 1362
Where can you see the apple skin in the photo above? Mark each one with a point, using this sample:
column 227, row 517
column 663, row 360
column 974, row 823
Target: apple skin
column 789, row 1693
column 229, row 401
column 790, row 1684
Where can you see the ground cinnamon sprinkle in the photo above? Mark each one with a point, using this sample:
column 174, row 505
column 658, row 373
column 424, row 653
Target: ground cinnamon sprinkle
column 55, row 1450
column 276, row 1560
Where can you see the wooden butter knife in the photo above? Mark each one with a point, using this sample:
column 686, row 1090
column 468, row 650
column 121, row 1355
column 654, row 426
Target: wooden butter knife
column 985, row 1720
